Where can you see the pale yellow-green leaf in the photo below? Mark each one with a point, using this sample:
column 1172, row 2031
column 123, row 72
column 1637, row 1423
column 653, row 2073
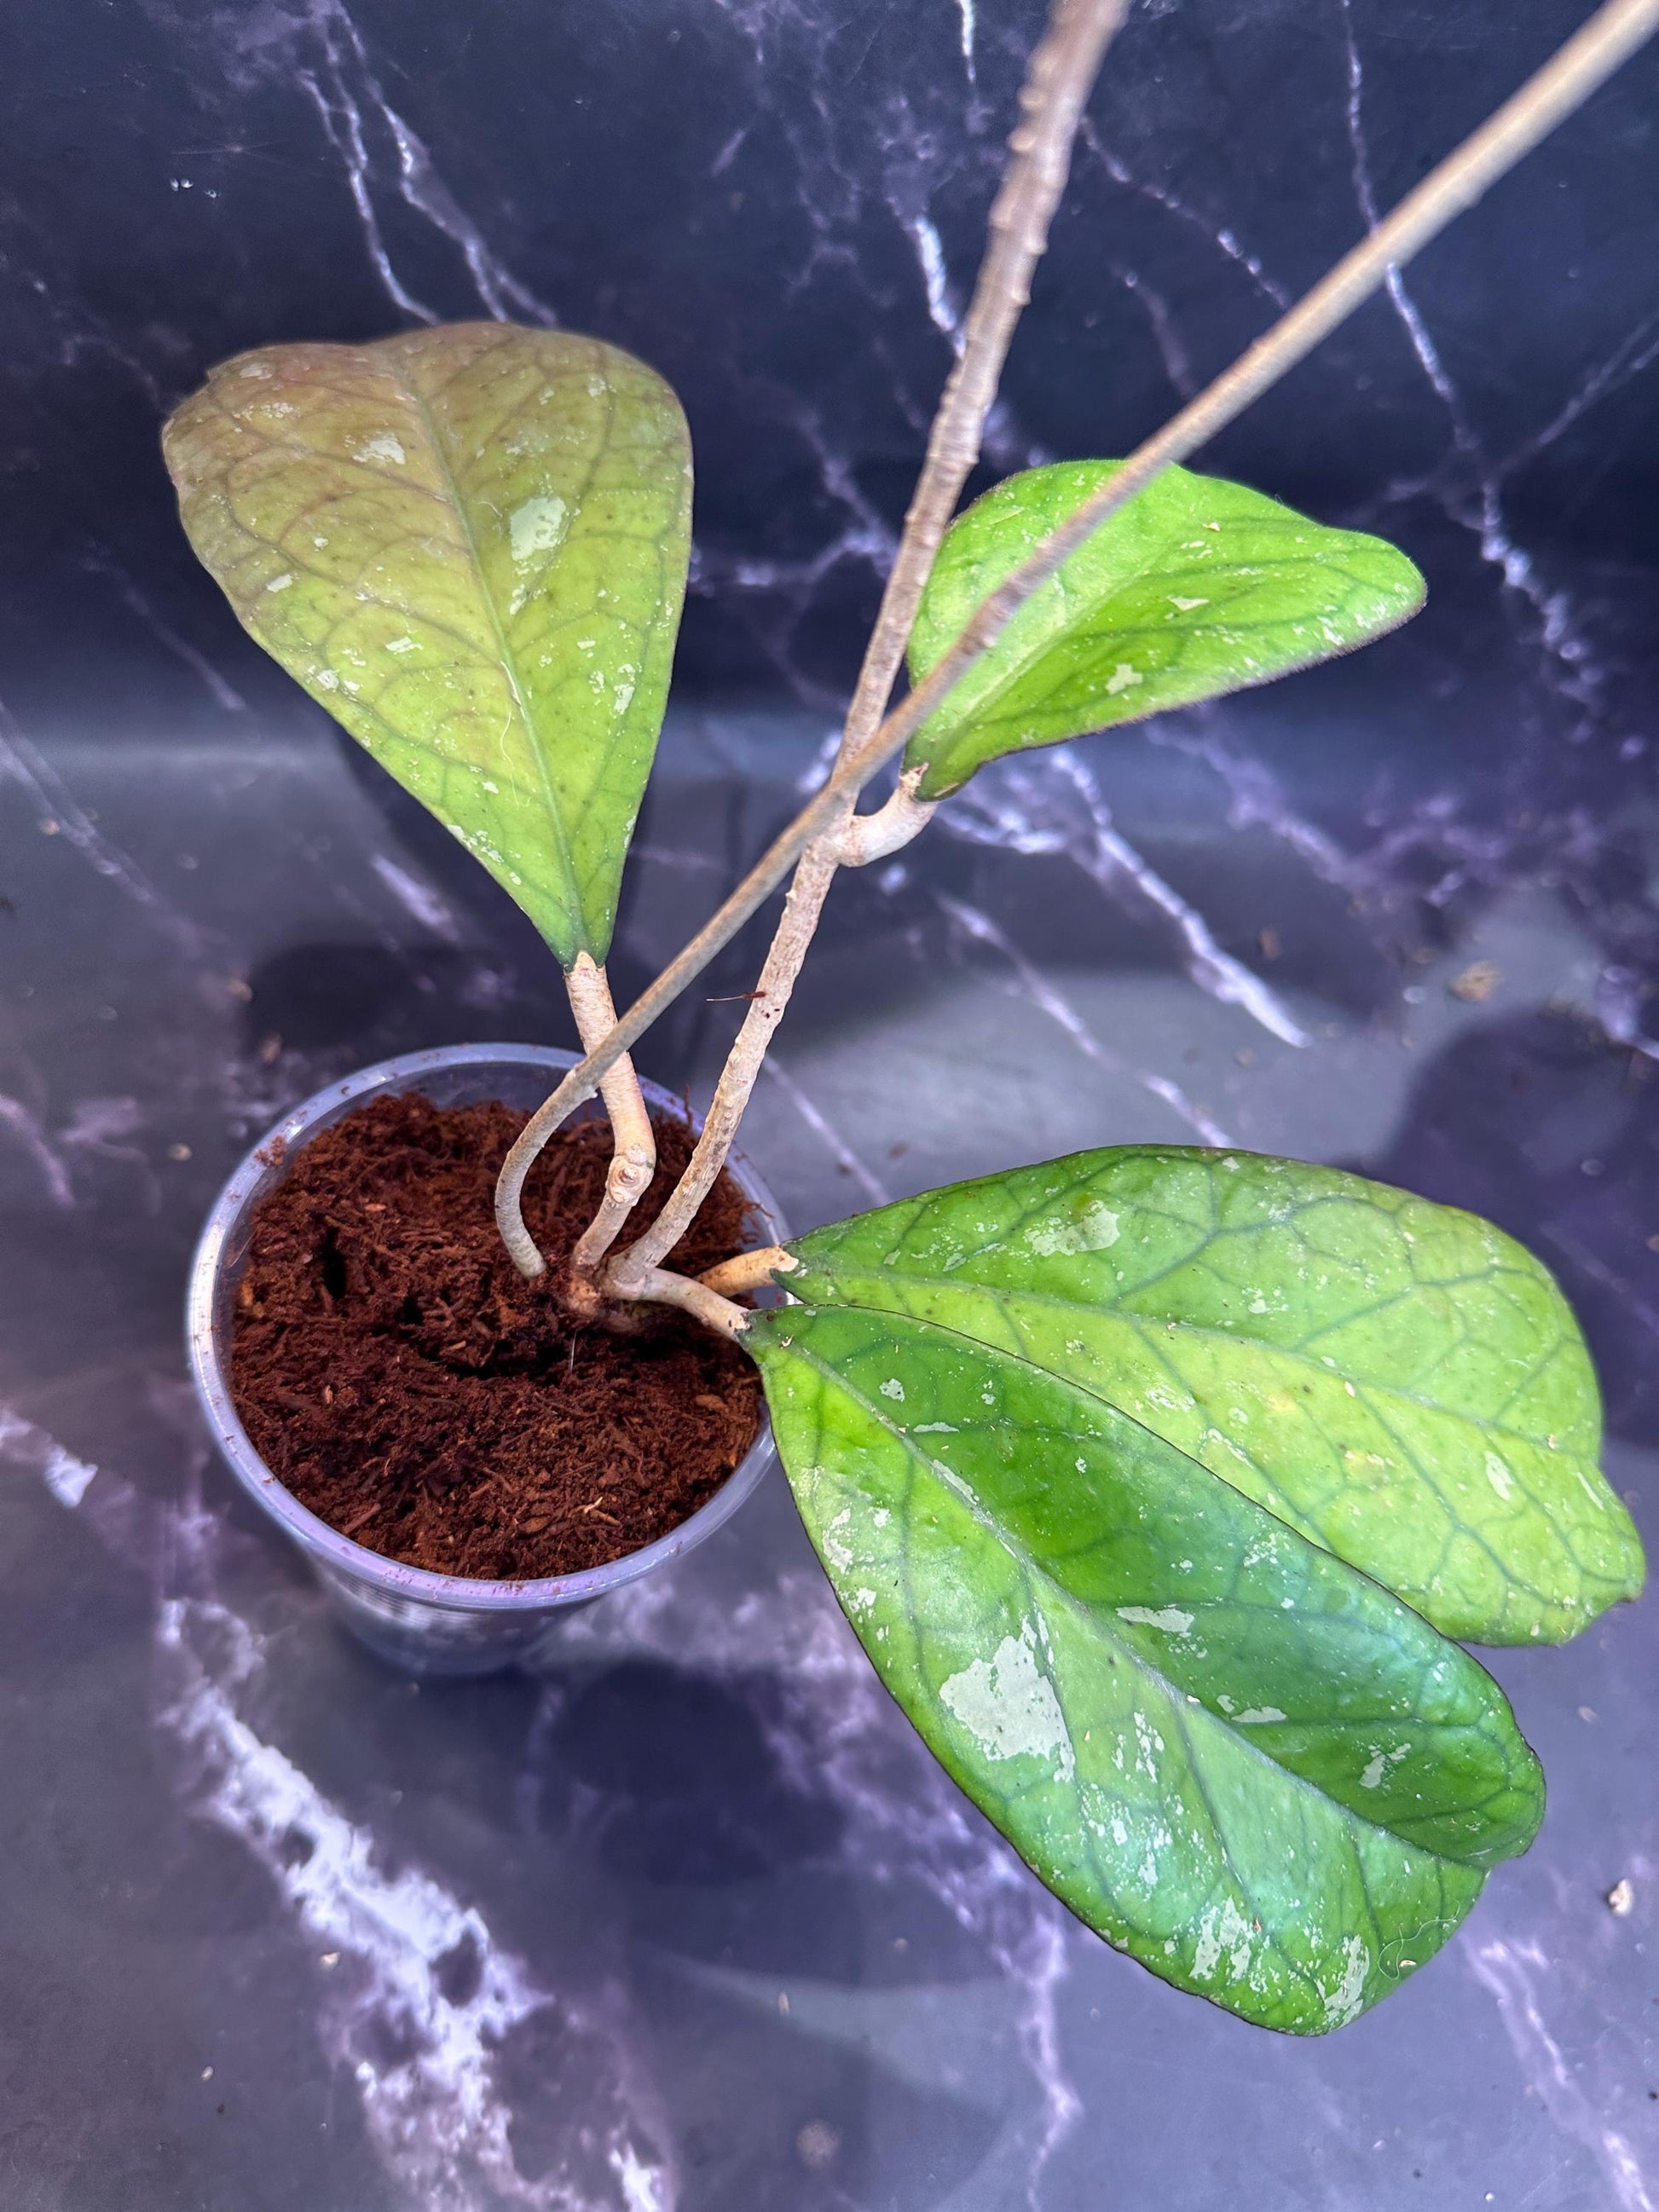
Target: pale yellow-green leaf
column 469, row 544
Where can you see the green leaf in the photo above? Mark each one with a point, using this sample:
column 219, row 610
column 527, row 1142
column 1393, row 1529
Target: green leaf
column 1398, row 1381
column 1233, row 1756
column 470, row 545
column 1196, row 588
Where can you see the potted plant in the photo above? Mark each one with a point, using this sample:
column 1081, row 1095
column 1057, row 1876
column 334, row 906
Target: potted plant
column 1156, row 1481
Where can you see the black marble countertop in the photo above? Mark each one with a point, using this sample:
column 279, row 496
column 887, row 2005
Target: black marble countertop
column 690, row 1923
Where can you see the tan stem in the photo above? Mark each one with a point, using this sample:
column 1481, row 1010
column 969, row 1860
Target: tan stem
column 749, row 1271
column 868, row 837
column 1063, row 66
column 659, row 1287
column 633, row 1155
column 1563, row 83
column 788, row 949
column 854, row 843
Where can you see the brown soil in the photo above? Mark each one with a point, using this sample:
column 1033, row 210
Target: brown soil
column 397, row 1373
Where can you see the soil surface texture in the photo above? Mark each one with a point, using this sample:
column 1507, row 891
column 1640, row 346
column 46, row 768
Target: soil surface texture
column 397, row 1373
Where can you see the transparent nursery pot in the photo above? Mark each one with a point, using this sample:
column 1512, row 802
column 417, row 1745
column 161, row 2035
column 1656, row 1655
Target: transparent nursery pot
column 426, row 1623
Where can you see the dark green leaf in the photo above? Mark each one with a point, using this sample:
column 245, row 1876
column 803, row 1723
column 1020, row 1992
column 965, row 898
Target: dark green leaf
column 1399, row 1381
column 1196, row 588
column 1233, row 1755
column 469, row 544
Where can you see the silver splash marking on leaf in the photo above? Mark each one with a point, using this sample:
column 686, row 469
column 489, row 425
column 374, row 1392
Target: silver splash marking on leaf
column 1009, row 1707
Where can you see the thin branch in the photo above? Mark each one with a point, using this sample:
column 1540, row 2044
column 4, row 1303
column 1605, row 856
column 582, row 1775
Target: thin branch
column 1563, row 83
column 854, row 843
column 1063, row 67
column 633, row 1155
column 627, row 1271
column 664, row 1289
column 750, row 1271
column 1062, row 70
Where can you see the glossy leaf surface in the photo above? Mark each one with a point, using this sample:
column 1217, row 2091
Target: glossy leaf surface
column 1197, row 588
column 470, row 545
column 1398, row 1381
column 1233, row 1756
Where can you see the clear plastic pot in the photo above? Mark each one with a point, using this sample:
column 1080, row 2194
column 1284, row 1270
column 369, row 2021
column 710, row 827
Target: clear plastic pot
column 428, row 1624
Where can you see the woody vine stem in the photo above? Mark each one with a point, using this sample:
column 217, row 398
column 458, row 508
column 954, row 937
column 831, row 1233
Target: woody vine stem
column 827, row 834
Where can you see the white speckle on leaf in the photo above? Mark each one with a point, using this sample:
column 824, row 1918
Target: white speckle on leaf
column 934, row 1429
column 1223, row 1931
column 1255, row 1715
column 1344, row 2003
column 838, row 1554
column 1170, row 1617
column 328, row 680
column 281, row 583
column 1009, row 1707
column 256, row 369
column 1378, row 1765
column 538, row 525
column 384, row 446
column 1499, row 1477
column 1123, row 677
column 400, row 644
column 1092, row 1230
column 892, row 1387
column 1186, row 606
column 881, row 1516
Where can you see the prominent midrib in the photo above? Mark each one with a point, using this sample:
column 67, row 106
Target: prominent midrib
column 1035, row 1570
column 508, row 660
column 1139, row 1323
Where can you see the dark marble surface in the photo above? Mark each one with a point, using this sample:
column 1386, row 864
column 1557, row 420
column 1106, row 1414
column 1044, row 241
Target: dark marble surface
column 692, row 1922
column 780, row 204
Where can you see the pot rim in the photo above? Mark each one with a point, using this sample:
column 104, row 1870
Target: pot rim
column 325, row 1546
